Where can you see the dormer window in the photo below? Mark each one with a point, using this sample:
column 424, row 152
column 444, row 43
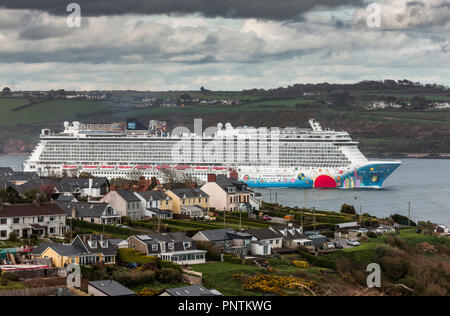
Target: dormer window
column 92, row 244
column 170, row 246
column 187, row 244
column 104, row 244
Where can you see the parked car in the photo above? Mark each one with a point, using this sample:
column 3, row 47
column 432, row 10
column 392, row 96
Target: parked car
column 328, row 245
column 363, row 230
column 133, row 265
column 353, row 242
column 266, row 218
column 338, row 245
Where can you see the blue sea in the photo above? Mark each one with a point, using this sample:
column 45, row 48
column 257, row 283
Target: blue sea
column 423, row 182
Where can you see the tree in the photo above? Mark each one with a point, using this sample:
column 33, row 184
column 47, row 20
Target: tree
column 85, row 175
column 6, row 91
column 348, row 209
column 419, row 103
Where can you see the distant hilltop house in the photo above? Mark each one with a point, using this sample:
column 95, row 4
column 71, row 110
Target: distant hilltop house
column 441, row 105
column 385, row 105
column 440, row 229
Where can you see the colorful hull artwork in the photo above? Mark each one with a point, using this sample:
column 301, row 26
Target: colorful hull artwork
column 370, row 176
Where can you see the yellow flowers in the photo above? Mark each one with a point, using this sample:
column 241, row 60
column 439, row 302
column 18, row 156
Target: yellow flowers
column 276, row 284
column 300, row 264
column 147, row 292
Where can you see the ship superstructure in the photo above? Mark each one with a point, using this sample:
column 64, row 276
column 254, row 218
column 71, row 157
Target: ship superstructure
column 262, row 157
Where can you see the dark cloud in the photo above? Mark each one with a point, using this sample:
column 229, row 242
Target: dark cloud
column 263, row 9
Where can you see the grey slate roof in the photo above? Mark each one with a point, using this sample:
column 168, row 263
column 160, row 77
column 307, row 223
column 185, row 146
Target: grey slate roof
column 128, row 195
column 82, row 240
column 224, row 182
column 69, row 183
column 193, row 290
column 189, row 193
column 154, row 195
column 111, row 288
column 63, row 250
column 159, row 211
column 263, row 233
column 83, row 209
column 217, row 234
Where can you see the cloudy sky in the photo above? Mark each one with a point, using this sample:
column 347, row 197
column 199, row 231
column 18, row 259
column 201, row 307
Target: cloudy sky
column 220, row 44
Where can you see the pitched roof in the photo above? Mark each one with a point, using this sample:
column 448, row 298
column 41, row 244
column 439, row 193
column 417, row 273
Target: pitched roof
column 224, row 182
column 217, row 234
column 154, row 195
column 63, row 250
column 263, row 233
column 69, row 183
column 18, row 210
column 83, row 240
column 83, row 209
column 7, row 173
column 111, row 288
column 189, row 193
column 193, row 290
column 128, row 195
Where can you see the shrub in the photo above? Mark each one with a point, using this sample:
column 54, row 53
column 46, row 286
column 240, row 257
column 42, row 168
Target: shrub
column 148, row 292
column 134, row 278
column 10, row 276
column 213, row 252
column 167, row 275
column 300, row 264
column 371, row 235
column 394, row 268
column 317, row 261
column 231, row 259
column 13, row 237
column 348, row 209
column 170, row 265
column 4, row 282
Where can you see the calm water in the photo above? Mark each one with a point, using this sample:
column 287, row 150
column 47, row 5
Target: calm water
column 424, row 182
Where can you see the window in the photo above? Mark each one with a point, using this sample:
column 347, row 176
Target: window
column 16, row 220
column 52, row 218
column 187, row 244
column 170, row 245
column 3, row 221
column 52, row 230
column 155, row 247
column 40, row 219
column 3, row 233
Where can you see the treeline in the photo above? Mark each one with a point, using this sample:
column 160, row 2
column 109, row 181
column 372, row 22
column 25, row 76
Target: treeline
column 384, row 85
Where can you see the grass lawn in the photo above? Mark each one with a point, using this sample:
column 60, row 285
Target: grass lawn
column 13, row 286
column 10, row 244
column 50, row 110
column 158, row 286
column 220, row 276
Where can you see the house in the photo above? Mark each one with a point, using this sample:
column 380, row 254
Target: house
column 98, row 213
column 384, row 229
column 227, row 193
column 15, row 177
column 84, row 250
column 191, row 290
column 230, row 241
column 175, row 247
column 85, row 187
column 292, row 235
column 189, row 202
column 440, row 229
column 125, row 203
column 119, row 243
column 155, row 204
column 264, row 241
column 108, row 288
column 39, row 219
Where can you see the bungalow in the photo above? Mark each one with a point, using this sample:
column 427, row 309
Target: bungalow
column 39, row 219
column 84, row 250
column 191, row 290
column 98, row 213
column 175, row 247
column 155, row 204
column 189, row 202
column 108, row 288
column 125, row 203
column 440, row 229
column 230, row 241
column 227, row 193
column 264, row 240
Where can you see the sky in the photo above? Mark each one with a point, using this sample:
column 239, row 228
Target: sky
column 156, row 45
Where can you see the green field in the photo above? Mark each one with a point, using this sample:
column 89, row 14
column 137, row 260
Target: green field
column 50, row 110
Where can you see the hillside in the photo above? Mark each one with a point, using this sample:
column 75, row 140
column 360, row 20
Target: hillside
column 381, row 132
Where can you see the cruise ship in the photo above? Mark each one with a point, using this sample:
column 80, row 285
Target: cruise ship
column 289, row 157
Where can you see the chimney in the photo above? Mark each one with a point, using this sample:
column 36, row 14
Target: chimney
column 234, row 175
column 211, row 178
column 74, row 213
column 91, row 183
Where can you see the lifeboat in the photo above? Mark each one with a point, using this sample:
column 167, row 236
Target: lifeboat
column 201, row 168
column 125, row 167
column 162, row 167
column 70, row 167
column 89, row 167
column 182, row 167
column 107, row 167
column 219, row 168
column 143, row 167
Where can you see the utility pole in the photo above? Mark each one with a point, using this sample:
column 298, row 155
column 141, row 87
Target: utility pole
column 159, row 223
column 240, row 220
column 409, row 214
column 270, row 194
column 304, row 203
column 314, row 219
column 276, row 197
column 224, row 215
